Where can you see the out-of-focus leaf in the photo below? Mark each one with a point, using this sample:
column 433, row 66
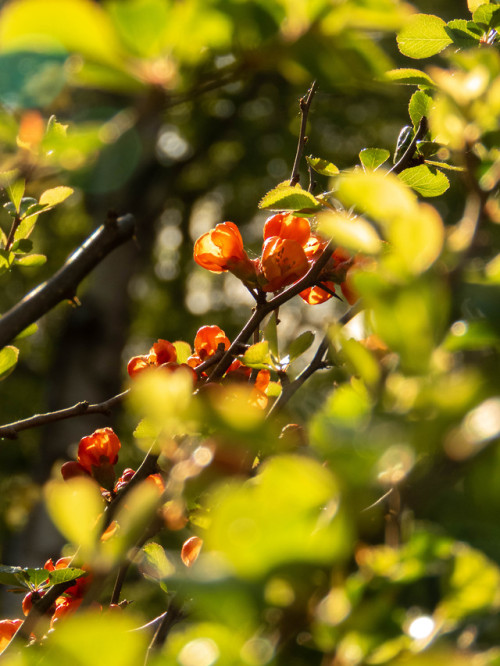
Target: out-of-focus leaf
column 423, row 36
column 444, row 165
column 8, row 360
column 154, row 563
column 323, row 167
column 352, row 233
column 427, row 181
column 29, row 330
column 31, row 260
column 285, row 197
column 56, row 195
column 474, row 4
column 183, row 350
column 487, row 15
column 141, row 24
column 271, row 335
column 300, row 345
column 288, row 513
column 91, row 637
column 76, row 508
column 12, row 575
column 257, row 355
column 372, row 158
column 16, row 191
column 420, row 105
column 471, row 335
column 410, row 76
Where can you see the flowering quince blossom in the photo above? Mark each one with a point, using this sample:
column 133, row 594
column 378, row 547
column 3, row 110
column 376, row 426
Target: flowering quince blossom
column 98, row 449
column 288, row 226
column 221, row 249
column 161, row 353
column 283, row 262
column 206, row 343
column 7, row 630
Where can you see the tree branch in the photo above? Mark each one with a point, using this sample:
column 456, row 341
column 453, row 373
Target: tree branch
column 63, row 284
column 304, row 105
column 10, row 430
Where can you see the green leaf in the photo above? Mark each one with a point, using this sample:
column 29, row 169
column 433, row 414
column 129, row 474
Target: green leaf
column 26, row 203
column 474, row 4
column 27, row 225
column 352, row 233
column 408, row 76
column 300, row 345
column 34, row 210
column 372, row 158
column 444, row 165
column 36, row 577
column 487, row 15
column 257, row 356
column 8, row 177
column 15, row 191
column 427, row 148
column 154, row 563
column 285, row 197
column 465, row 34
column 288, row 513
column 8, row 360
column 323, row 167
column 23, row 245
column 56, row 195
column 29, row 330
column 183, row 350
column 423, row 36
column 65, row 575
column 420, row 105
column 31, row 260
column 427, row 181
column 271, row 335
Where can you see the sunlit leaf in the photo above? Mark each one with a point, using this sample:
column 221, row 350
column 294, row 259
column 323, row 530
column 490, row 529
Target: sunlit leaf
column 289, row 198
column 8, row 360
column 31, row 260
column 154, row 563
column 76, row 508
column 352, row 233
column 423, row 35
column 465, row 34
column 183, row 350
column 410, row 76
column 257, row 355
column 418, row 239
column 420, row 105
column 12, row 575
column 487, row 15
column 64, row 575
column 474, row 4
column 16, row 191
column 427, row 181
column 271, row 335
column 323, row 167
column 372, row 158
column 56, row 195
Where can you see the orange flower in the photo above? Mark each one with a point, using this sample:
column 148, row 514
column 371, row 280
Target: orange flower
column 98, row 449
column 283, row 262
column 221, row 249
column 7, row 629
column 190, row 550
column 316, row 295
column 207, row 341
column 288, row 226
column 161, row 352
column 64, row 606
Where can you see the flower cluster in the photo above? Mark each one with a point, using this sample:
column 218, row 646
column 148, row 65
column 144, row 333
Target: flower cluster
column 289, row 250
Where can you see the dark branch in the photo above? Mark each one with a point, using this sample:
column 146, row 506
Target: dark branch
column 305, row 105
column 405, row 160
column 62, row 286
column 83, row 408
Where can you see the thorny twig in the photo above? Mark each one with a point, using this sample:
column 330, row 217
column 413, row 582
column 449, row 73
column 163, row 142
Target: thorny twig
column 305, row 105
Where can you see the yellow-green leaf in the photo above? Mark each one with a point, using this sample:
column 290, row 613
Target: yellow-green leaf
column 420, row 105
column 56, row 195
column 321, row 166
column 423, row 35
column 409, row 76
column 8, row 360
column 289, row 198
column 352, row 233
column 372, row 158
column 427, row 181
column 257, row 356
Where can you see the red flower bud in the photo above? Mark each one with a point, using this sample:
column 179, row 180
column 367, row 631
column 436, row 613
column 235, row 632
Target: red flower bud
column 98, row 449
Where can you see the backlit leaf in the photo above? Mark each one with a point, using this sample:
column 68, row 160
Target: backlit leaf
column 289, row 198
column 372, row 158
column 31, row 260
column 300, row 345
column 323, row 167
column 352, row 233
column 56, row 195
column 16, row 191
column 423, row 36
column 64, row 575
column 409, row 76
column 154, row 563
column 257, row 356
column 427, row 181
column 420, row 105
column 465, row 34
column 8, row 360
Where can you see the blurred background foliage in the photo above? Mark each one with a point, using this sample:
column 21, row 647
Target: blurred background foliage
column 185, row 114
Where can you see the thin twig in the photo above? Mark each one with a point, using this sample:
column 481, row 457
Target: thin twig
column 173, row 615
column 63, row 284
column 304, row 105
column 84, row 408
